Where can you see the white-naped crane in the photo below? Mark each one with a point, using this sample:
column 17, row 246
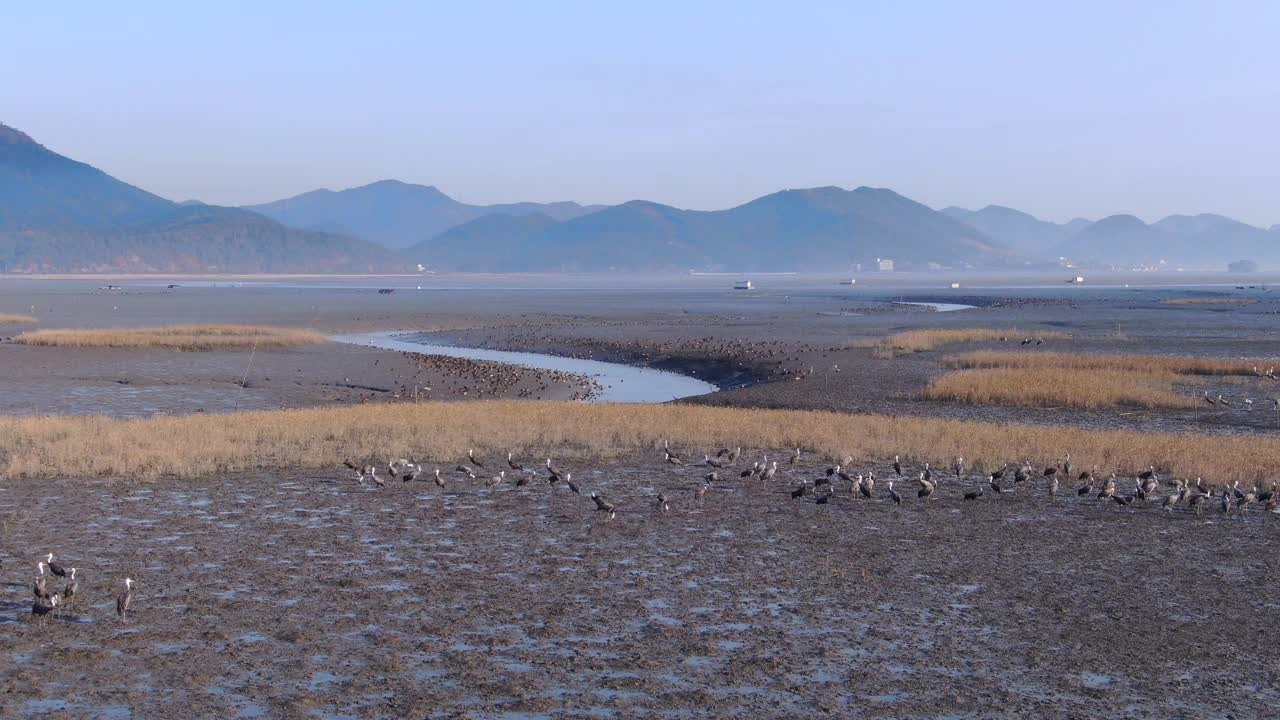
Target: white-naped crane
column 439, row 481
column 767, row 474
column 604, row 506
column 124, row 599
column 492, row 483
column 795, row 457
column 927, row 486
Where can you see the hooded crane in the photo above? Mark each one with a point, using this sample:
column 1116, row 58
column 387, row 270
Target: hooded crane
column 897, row 466
column 515, row 466
column 471, row 456
column 893, row 494
column 44, row 605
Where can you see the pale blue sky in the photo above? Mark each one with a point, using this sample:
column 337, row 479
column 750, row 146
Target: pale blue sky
column 1063, row 109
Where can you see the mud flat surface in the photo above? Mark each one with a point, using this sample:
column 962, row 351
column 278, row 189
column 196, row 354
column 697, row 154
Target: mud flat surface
column 292, row 595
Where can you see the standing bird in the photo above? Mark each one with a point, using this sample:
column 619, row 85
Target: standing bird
column 674, row 460
column 1066, row 466
column 712, row 462
column 474, row 460
column 604, row 507
column 40, row 588
column 568, row 479
column 662, row 505
column 799, row 492
column 1109, row 489
column 492, row 483
column 927, row 474
column 44, row 605
column 515, row 466
column 60, row 571
column 464, row 470
column 72, row 586
column 750, row 472
column 711, row 477
column 893, row 494
column 1022, row 474
column 701, row 493
column 770, row 472
column 123, row 599
column 410, row 472
column 897, row 466
column 958, row 467
column 926, row 487
column 795, row 458
column 439, row 480
column 975, row 494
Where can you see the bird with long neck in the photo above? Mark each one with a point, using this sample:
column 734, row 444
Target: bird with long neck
column 123, row 599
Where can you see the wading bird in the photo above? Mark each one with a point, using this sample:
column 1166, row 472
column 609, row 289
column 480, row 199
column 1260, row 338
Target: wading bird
column 604, row 507
column 474, row 460
column 123, row 599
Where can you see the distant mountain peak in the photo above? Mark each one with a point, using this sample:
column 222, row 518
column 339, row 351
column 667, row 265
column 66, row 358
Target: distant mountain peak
column 13, row 136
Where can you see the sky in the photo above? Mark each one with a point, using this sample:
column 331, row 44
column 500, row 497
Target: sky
column 1061, row 109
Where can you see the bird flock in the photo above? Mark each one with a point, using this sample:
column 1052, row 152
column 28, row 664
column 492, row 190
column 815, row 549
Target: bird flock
column 51, row 602
column 720, row 469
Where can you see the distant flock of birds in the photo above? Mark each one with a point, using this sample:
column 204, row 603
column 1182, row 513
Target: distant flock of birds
column 1196, row 496
column 48, row 602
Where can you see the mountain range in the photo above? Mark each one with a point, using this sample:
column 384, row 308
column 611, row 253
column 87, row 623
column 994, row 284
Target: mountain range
column 60, row 215
column 397, row 214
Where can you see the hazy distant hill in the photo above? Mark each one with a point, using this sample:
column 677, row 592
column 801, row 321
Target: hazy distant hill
column 816, row 229
column 60, row 215
column 397, row 214
column 1020, row 231
column 1199, row 241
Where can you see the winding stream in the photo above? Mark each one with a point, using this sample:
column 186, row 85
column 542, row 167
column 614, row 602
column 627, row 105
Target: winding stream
column 620, row 383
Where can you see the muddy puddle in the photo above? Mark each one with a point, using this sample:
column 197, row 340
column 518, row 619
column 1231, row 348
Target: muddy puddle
column 306, row 595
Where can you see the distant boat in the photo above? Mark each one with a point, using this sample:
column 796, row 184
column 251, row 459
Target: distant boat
column 743, row 285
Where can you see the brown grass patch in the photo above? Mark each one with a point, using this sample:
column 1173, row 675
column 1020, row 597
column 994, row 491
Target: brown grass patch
column 198, row 445
column 1052, row 387
column 1126, row 362
column 11, row 318
column 1209, row 301
column 176, row 337
column 913, row 341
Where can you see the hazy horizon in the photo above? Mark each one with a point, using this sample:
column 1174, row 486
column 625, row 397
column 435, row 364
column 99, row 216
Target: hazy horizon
column 1085, row 111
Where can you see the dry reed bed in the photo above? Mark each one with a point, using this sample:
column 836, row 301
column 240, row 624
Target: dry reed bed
column 1054, row 387
column 320, row 439
column 13, row 319
column 176, row 337
column 912, row 341
column 1125, row 362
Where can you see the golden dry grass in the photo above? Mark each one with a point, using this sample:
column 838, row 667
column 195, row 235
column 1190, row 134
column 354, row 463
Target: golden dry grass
column 11, row 319
column 320, row 439
column 1124, row 362
column 1054, row 387
column 1209, row 301
column 176, row 337
column 912, row 341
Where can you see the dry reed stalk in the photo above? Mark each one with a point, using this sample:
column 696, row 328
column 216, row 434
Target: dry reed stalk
column 1124, row 362
column 1051, row 387
column 176, row 337
column 437, row 432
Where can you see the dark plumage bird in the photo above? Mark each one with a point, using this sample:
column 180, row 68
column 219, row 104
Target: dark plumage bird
column 474, row 460
column 604, row 507
column 798, row 492
column 751, row 471
column 672, row 459
column 1051, row 471
column 711, row 477
column 897, row 466
column 464, row 470
column 975, row 494
column 522, row 481
column 957, row 467
column 662, row 504
column 44, row 605
column 701, row 493
column 795, row 458
column 823, row 499
column 568, row 479
column 123, row 599
column 1148, row 474
column 995, row 485
column 439, row 480
column 54, row 567
column 72, row 587
column 893, row 494
column 1085, row 489
column 515, row 466
column 40, row 588
column 1122, row 500
column 712, row 462
column 1022, row 474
